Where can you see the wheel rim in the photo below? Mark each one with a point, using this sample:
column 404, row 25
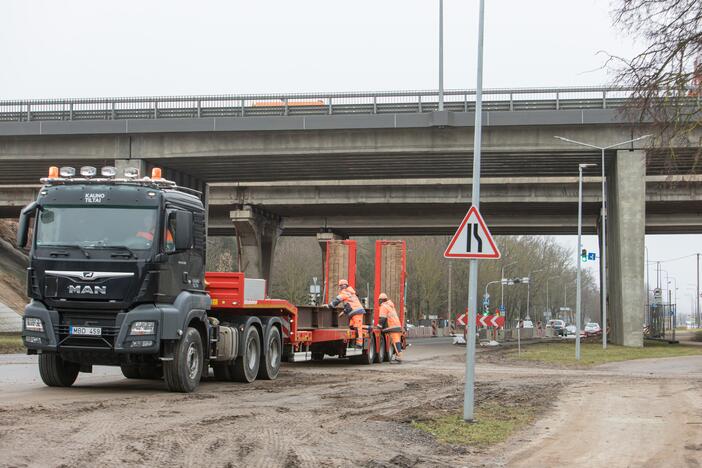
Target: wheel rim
column 252, row 352
column 193, row 361
column 274, row 354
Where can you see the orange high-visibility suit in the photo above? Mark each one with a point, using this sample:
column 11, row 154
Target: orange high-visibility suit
column 392, row 327
column 353, row 309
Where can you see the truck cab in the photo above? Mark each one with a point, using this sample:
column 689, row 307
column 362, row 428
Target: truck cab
column 116, row 275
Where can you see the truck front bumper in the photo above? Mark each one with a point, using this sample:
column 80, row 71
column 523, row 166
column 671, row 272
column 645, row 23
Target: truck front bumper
column 115, row 332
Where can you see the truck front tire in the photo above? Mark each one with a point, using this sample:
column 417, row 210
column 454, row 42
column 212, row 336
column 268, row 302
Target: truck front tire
column 245, row 367
column 55, row 372
column 380, row 355
column 270, row 366
column 183, row 373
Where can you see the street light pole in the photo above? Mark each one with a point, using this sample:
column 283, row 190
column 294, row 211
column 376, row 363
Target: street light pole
column 502, row 289
column 603, row 214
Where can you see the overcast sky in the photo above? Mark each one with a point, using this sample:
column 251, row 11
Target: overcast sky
column 87, row 48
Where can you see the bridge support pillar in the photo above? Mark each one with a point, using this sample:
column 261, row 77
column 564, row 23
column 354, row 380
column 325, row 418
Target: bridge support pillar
column 626, row 223
column 257, row 234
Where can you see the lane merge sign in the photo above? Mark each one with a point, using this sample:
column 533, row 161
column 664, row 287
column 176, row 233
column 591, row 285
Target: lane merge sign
column 490, row 321
column 472, row 239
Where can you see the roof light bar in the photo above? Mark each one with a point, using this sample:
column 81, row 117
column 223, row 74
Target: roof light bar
column 88, row 171
column 108, row 171
column 67, row 171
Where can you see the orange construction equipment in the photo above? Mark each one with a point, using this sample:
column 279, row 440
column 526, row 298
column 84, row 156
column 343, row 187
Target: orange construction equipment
column 352, row 308
column 391, row 325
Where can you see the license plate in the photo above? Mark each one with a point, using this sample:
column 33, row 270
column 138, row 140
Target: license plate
column 90, row 331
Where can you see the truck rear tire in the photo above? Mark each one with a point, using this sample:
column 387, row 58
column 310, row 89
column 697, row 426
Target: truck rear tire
column 55, row 372
column 380, row 355
column 368, row 356
column 246, row 367
column 130, row 372
column 183, row 373
column 272, row 352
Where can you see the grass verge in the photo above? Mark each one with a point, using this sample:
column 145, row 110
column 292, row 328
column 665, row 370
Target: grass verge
column 494, row 423
column 11, row 343
column 592, row 354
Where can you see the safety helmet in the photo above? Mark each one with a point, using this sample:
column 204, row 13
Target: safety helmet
column 343, row 282
column 383, row 297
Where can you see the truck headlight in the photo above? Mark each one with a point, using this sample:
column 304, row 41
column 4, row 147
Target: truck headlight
column 142, row 328
column 33, row 324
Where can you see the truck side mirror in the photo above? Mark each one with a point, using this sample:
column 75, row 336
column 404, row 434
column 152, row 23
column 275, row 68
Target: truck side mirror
column 23, row 227
column 183, row 235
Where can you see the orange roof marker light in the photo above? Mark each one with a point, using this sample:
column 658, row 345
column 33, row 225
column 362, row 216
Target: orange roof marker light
column 53, row 172
column 156, row 173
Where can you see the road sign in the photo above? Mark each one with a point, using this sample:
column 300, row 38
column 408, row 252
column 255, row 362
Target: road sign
column 472, row 239
column 462, row 320
column 502, row 308
column 591, row 256
column 490, row 321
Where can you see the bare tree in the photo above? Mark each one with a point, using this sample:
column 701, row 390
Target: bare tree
column 667, row 74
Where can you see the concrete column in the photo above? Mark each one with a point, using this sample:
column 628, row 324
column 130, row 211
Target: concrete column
column 121, row 164
column 257, row 234
column 626, row 223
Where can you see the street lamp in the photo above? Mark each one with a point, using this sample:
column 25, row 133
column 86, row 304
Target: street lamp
column 578, row 292
column 441, row 55
column 603, row 256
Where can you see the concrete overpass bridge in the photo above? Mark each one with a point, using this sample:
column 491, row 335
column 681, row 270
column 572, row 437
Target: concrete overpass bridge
column 376, row 164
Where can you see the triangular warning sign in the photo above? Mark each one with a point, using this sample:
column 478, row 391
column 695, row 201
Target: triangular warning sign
column 472, row 239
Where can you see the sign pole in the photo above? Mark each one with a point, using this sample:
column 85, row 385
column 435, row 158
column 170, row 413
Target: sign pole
column 469, row 396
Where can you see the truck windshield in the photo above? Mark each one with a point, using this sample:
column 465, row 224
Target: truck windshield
column 96, row 227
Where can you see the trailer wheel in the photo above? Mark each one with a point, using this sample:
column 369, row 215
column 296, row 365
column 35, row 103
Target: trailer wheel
column 380, row 355
column 183, row 373
column 246, row 367
column 55, row 372
column 368, row 356
column 270, row 365
column 130, row 372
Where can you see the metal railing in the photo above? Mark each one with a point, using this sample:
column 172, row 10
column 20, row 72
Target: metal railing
column 386, row 102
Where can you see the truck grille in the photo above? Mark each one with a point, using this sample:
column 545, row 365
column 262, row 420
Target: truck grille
column 105, row 321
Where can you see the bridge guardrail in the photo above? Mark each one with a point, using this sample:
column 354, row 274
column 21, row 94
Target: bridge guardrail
column 174, row 107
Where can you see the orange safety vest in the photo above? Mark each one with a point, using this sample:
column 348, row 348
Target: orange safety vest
column 387, row 310
column 348, row 295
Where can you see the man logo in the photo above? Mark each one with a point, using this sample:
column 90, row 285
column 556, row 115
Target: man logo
column 87, row 275
column 95, row 290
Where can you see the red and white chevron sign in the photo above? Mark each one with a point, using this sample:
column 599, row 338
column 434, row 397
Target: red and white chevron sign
column 490, row 321
column 462, row 320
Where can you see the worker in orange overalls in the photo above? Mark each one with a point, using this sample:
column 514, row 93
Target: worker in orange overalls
column 352, row 308
column 389, row 321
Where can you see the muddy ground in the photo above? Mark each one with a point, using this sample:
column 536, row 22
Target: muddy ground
column 322, row 415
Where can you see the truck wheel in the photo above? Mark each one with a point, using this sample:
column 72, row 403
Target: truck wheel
column 368, row 356
column 270, row 366
column 130, row 372
column 55, row 372
column 380, row 355
column 183, row 373
column 246, row 367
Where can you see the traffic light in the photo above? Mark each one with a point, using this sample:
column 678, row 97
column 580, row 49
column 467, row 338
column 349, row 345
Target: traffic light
column 583, row 255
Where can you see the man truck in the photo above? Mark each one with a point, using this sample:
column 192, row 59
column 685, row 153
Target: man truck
column 117, row 277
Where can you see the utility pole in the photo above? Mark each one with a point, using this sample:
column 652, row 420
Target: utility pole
column 469, row 397
column 441, row 55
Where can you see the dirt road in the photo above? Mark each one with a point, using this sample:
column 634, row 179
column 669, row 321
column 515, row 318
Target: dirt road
column 335, row 414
